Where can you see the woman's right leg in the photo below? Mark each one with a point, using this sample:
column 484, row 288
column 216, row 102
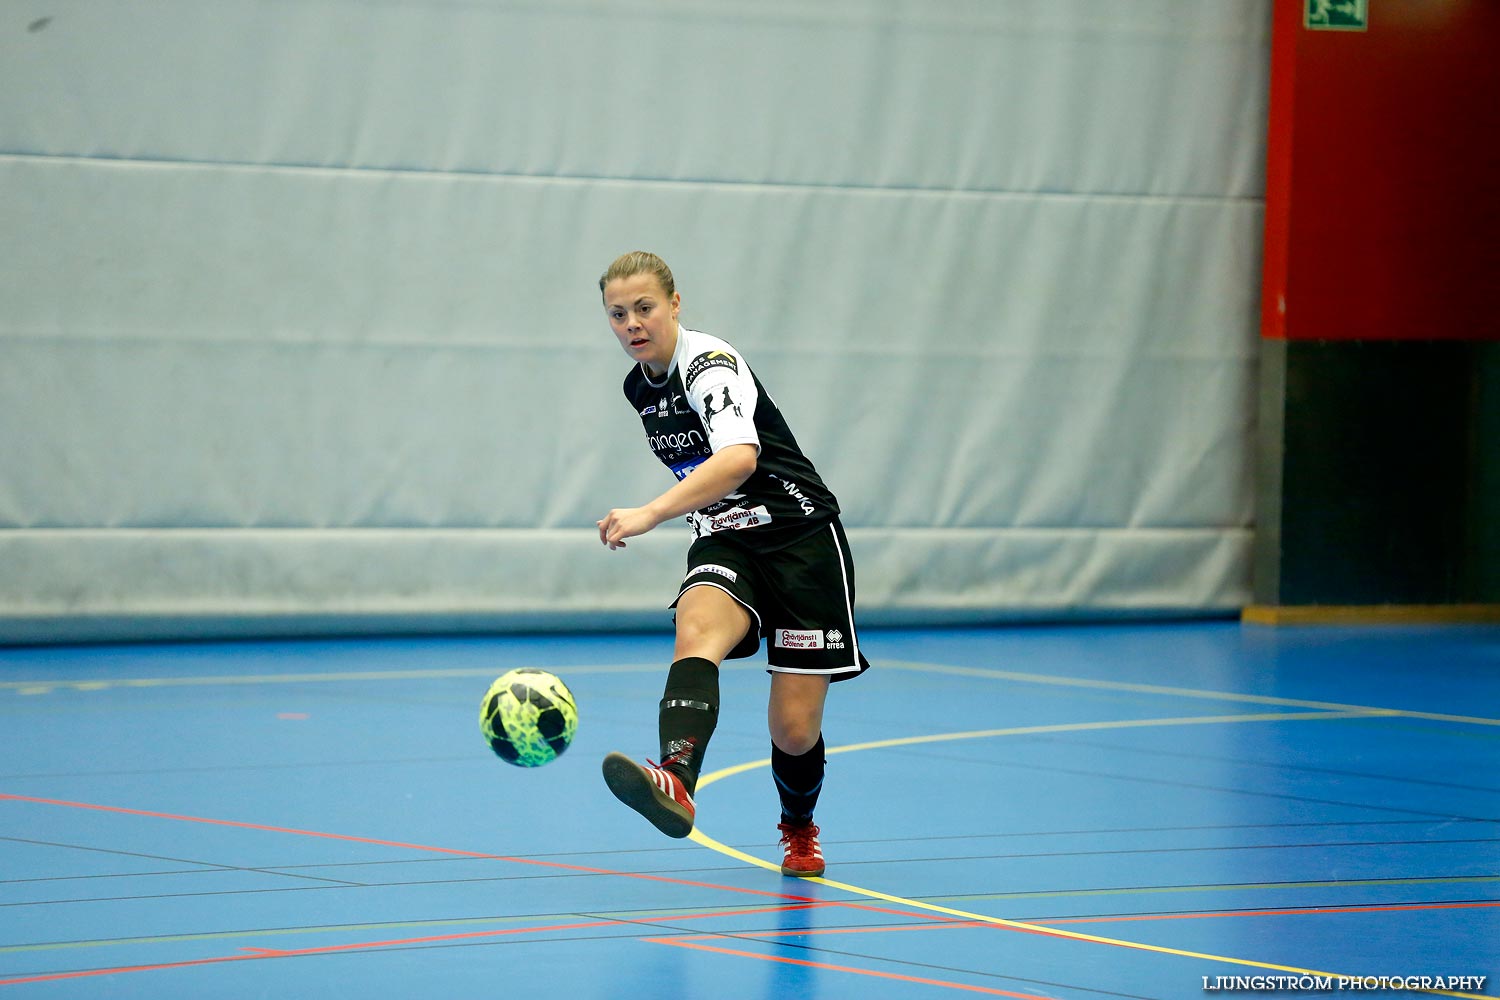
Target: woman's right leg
column 710, row 623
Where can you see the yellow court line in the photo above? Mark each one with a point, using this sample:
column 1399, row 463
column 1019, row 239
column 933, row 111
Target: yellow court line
column 1067, row 727
column 1252, row 699
column 698, row 836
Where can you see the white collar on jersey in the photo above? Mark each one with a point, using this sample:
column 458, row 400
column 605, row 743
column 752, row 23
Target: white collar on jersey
column 682, row 338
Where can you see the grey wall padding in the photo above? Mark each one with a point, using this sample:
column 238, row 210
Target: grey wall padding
column 300, row 329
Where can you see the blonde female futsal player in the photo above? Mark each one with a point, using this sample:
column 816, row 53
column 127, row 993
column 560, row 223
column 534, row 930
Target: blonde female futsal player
column 768, row 558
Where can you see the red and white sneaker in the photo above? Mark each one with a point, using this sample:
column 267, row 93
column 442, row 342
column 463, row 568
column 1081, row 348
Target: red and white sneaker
column 654, row 792
column 801, row 855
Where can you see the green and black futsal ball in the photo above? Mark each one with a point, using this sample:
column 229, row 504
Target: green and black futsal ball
column 528, row 716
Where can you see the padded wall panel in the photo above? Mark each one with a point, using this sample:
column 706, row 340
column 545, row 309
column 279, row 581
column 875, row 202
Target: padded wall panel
column 1145, row 97
column 159, row 384
column 214, row 583
column 301, row 333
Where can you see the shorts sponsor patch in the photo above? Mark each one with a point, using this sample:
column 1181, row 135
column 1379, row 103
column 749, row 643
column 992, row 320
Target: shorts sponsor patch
column 807, row 638
column 715, row 568
column 798, row 638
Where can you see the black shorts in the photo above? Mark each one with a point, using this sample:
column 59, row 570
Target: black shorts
column 801, row 599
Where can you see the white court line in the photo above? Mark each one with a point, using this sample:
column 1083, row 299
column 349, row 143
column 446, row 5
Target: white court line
column 108, row 683
column 1249, row 699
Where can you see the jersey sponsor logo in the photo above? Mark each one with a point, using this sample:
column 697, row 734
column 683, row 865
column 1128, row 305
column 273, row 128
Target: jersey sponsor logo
column 798, row 638
column 704, row 362
column 714, row 568
column 675, row 441
column 681, row 469
column 669, row 406
column 798, row 495
column 726, row 403
column 732, row 520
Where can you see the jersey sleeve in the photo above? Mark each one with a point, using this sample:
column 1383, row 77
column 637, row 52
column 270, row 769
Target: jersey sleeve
column 721, row 390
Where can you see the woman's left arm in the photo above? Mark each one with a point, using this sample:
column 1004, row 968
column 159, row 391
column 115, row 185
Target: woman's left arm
column 719, row 475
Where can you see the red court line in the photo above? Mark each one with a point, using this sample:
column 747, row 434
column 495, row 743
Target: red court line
column 395, row 843
column 474, row 854
column 800, row 902
column 431, row 939
column 678, row 943
column 263, row 953
column 1371, row 908
column 253, row 954
column 86, row 973
column 953, row 924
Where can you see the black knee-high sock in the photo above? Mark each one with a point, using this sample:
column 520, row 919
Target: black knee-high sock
column 799, row 779
column 689, row 712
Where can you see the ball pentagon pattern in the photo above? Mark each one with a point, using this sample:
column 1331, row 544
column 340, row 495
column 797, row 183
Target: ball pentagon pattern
column 528, row 717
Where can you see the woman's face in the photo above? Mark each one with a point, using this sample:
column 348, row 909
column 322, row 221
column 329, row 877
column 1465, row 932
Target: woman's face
column 644, row 319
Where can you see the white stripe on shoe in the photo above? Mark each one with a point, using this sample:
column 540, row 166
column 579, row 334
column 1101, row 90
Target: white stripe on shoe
column 662, row 798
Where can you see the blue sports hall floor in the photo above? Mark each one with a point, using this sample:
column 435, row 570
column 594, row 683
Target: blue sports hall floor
column 1087, row 811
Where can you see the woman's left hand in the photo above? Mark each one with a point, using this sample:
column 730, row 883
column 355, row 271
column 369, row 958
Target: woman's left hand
column 625, row 522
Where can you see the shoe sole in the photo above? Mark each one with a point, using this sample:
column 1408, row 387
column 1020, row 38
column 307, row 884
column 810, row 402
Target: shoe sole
column 631, row 785
column 796, row 874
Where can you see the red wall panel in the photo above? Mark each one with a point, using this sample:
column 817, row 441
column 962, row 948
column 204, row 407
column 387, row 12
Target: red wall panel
column 1383, row 175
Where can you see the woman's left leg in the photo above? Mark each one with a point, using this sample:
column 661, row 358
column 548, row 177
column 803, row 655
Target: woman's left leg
column 795, row 714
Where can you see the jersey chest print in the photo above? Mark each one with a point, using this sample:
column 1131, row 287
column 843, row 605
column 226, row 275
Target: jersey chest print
column 709, row 400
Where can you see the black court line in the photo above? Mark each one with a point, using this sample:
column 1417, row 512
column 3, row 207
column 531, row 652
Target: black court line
column 1311, row 909
column 1217, row 887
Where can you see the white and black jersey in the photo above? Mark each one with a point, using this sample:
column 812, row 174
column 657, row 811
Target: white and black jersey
column 709, row 399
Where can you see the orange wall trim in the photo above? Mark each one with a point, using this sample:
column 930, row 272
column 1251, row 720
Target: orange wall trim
column 1371, row 614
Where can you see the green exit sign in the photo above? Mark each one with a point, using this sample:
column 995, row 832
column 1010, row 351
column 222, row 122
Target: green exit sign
column 1336, row 15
